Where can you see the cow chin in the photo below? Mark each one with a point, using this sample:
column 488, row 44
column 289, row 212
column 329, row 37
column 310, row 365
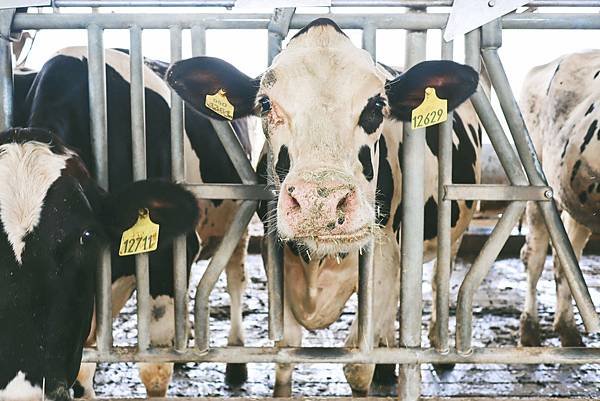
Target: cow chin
column 327, row 244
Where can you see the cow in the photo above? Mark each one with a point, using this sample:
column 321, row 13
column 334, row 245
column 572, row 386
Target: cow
column 560, row 106
column 56, row 98
column 55, row 221
column 333, row 119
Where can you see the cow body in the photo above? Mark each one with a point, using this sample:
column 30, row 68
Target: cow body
column 58, row 100
column 560, row 107
column 333, row 119
column 55, row 221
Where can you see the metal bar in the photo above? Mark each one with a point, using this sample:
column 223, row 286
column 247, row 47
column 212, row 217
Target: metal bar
column 198, row 41
column 234, row 151
column 334, row 3
column 261, row 21
column 138, row 146
column 534, row 172
column 479, row 269
column 365, row 297
column 443, row 267
column 180, row 282
column 231, row 191
column 488, row 355
column 497, row 193
column 369, row 40
column 98, row 128
column 215, row 268
column 6, row 73
column 411, row 272
column 472, row 49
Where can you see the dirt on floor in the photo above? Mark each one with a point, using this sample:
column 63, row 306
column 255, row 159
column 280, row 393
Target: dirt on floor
column 496, row 323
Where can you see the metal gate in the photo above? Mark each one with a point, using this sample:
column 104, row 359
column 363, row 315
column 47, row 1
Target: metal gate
column 520, row 163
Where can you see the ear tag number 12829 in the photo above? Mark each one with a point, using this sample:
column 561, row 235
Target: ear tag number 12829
column 432, row 111
column 142, row 237
column 220, row 104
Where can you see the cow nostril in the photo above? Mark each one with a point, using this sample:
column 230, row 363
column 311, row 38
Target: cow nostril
column 343, row 202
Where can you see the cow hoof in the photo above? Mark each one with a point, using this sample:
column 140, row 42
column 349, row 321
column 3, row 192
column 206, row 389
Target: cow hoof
column 569, row 336
column 385, row 375
column 360, row 393
column 236, row 374
column 443, row 368
column 530, row 331
column 284, row 391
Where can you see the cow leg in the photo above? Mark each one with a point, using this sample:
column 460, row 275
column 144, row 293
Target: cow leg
column 292, row 337
column 386, row 294
column 533, row 255
column 384, row 375
column 84, row 385
column 157, row 376
column 564, row 320
column 236, row 373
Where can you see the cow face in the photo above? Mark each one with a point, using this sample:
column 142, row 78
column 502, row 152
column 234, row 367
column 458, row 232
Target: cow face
column 55, row 221
column 323, row 103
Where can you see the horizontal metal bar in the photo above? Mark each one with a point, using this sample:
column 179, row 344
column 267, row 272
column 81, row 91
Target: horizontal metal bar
column 504, row 355
column 497, row 192
column 260, row 21
column 334, row 3
column 231, row 191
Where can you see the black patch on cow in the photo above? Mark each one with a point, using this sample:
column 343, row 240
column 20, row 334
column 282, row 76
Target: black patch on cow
column 552, row 79
column 318, row 22
column 158, row 312
column 454, row 213
column 397, row 217
column 400, row 156
column 282, row 167
column 590, row 109
column 589, row 135
column 364, row 155
column 389, row 69
column 464, row 156
column 431, row 213
column 372, row 115
column 596, row 74
column 432, row 135
column 474, row 135
column 385, row 185
column 261, row 172
column 583, row 196
column 575, row 170
column 564, row 151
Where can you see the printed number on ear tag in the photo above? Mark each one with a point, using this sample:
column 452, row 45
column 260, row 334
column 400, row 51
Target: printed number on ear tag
column 220, row 104
column 141, row 238
column 432, row 111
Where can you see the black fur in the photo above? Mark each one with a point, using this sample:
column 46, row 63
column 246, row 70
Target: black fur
column 364, row 155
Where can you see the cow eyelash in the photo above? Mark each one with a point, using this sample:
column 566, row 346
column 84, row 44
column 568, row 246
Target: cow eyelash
column 265, row 105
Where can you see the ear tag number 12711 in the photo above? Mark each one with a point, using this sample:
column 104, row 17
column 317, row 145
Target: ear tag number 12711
column 142, row 237
column 220, row 104
column 432, row 111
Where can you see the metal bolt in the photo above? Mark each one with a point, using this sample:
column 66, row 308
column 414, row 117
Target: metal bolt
column 548, row 193
column 491, row 3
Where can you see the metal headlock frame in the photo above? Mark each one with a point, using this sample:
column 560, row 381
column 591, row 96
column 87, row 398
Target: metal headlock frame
column 522, row 167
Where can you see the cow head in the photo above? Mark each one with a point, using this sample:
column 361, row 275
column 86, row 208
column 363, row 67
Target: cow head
column 55, row 221
column 323, row 104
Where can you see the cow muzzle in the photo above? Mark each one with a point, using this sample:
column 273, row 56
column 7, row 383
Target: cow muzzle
column 327, row 216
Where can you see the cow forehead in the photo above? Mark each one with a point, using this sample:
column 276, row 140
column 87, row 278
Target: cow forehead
column 27, row 170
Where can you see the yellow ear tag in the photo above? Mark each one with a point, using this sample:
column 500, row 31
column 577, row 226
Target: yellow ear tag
column 220, row 104
column 432, row 111
column 141, row 238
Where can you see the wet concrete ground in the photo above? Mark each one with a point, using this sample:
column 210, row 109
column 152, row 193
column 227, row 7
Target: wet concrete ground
column 496, row 323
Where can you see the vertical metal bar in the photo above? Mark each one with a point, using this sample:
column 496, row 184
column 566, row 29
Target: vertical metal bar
column 198, row 41
column 369, row 39
column 478, row 271
column 6, row 84
column 534, row 172
column 275, row 263
column 178, row 175
column 365, row 298
column 98, row 128
column 472, row 46
column 443, row 267
column 413, row 149
column 138, row 146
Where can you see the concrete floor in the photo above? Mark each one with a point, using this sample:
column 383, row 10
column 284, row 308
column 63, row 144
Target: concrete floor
column 497, row 308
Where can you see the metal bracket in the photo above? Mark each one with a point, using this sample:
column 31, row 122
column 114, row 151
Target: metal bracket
column 278, row 28
column 6, row 20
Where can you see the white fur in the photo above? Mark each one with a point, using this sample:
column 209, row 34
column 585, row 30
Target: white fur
column 26, row 172
column 20, row 389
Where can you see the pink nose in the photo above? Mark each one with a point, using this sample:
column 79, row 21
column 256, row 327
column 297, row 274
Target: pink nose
column 312, row 208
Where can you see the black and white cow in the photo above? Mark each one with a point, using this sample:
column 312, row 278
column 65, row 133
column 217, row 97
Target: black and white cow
column 57, row 99
column 333, row 119
column 55, row 220
column 561, row 106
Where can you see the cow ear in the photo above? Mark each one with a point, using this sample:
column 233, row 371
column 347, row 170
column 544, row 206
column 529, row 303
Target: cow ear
column 195, row 78
column 170, row 206
column 452, row 81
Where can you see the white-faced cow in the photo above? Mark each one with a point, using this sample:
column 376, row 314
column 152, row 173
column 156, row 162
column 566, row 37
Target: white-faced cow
column 561, row 106
column 333, row 119
column 55, row 220
column 57, row 99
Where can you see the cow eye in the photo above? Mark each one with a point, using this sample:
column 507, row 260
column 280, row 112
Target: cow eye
column 265, row 105
column 379, row 103
column 86, row 237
